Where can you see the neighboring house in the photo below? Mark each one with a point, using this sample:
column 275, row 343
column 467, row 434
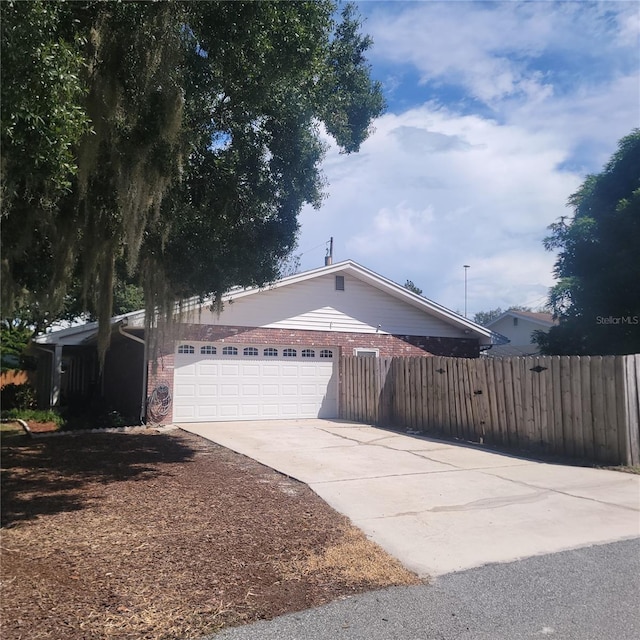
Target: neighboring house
column 271, row 352
column 519, row 326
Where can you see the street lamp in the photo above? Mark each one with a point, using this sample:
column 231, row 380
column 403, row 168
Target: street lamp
column 465, row 266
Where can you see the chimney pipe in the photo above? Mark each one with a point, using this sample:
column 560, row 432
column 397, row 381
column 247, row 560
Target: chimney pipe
column 328, row 259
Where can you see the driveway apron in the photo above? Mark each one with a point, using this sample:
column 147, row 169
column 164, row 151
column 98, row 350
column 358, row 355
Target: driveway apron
column 436, row 506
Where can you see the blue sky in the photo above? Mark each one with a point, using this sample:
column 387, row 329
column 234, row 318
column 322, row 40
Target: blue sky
column 496, row 112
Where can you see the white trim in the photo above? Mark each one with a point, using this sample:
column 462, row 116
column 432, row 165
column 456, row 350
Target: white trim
column 73, row 335
column 361, row 351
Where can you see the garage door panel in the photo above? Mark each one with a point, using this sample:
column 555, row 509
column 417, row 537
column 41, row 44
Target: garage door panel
column 308, row 390
column 207, row 369
column 207, row 390
column 186, row 390
column 250, row 410
column 230, row 370
column 270, row 410
column 188, row 370
column 211, row 387
column 208, row 411
column 230, row 390
column 184, row 413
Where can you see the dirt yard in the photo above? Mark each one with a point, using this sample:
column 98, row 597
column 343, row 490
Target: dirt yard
column 151, row 535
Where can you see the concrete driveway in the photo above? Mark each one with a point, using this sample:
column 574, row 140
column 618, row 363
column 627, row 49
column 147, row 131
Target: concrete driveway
column 440, row 507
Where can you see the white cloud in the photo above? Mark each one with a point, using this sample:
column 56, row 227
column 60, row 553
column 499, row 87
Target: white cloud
column 469, row 43
column 436, row 187
column 629, row 26
column 506, row 50
column 392, row 231
column 433, row 191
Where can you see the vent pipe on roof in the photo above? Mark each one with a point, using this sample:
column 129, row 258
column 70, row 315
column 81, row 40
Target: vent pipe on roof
column 328, row 259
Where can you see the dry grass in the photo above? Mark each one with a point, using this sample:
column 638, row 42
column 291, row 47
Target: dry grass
column 152, row 536
column 353, row 559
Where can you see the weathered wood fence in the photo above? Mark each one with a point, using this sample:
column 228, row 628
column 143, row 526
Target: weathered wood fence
column 581, row 407
column 15, row 376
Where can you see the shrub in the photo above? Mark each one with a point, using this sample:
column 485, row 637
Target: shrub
column 18, row 396
column 34, row 415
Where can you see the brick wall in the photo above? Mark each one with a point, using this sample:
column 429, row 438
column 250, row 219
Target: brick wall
column 159, row 384
column 161, row 373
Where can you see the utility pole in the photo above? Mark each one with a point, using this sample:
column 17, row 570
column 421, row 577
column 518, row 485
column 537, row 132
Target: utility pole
column 329, row 257
column 466, row 267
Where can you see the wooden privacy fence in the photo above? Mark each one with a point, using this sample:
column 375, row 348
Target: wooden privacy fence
column 584, row 407
column 15, row 376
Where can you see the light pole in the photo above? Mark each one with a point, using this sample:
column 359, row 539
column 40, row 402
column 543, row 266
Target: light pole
column 465, row 266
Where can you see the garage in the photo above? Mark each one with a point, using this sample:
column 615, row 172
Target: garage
column 223, row 381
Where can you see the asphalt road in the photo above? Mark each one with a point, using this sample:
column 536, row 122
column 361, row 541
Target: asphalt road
column 584, row 594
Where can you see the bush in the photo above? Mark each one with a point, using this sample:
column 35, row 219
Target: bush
column 18, row 396
column 33, row 415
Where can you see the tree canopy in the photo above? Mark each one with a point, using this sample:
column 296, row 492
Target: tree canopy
column 485, row 317
column 597, row 295
column 412, row 287
column 169, row 145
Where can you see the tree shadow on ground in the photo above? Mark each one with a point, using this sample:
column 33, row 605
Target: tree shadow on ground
column 53, row 475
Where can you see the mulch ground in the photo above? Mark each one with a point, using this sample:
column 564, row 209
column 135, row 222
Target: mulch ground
column 151, row 535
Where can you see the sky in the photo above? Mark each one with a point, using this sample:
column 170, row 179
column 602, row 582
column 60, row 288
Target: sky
column 496, row 112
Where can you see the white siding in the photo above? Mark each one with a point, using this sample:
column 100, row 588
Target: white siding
column 316, row 305
column 520, row 334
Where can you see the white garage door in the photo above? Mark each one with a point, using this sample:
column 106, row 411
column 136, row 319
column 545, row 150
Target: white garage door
column 220, row 381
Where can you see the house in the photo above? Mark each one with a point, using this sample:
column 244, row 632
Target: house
column 518, row 327
column 271, row 352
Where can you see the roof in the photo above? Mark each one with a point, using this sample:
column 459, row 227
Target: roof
column 82, row 333
column 543, row 319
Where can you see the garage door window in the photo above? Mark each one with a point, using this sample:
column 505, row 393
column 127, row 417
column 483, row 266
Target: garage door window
column 250, row 351
column 289, row 353
column 308, row 353
column 208, row 350
column 326, row 353
column 186, row 348
column 270, row 351
column 229, row 351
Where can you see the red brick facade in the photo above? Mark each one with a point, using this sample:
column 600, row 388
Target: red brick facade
column 161, row 375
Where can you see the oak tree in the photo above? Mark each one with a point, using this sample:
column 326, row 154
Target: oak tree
column 173, row 143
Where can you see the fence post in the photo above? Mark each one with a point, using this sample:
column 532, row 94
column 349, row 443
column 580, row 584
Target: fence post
column 632, row 408
column 600, row 453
